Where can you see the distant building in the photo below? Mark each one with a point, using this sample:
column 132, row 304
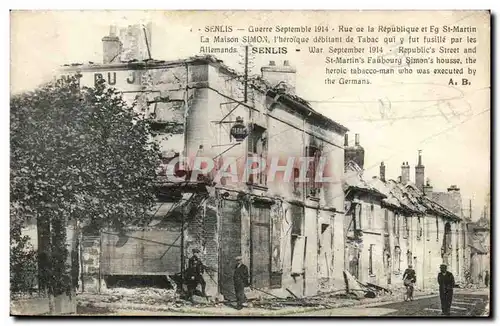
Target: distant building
column 392, row 224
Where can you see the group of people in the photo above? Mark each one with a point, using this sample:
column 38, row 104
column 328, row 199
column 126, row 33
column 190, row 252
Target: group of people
column 194, row 277
column 446, row 283
column 196, row 268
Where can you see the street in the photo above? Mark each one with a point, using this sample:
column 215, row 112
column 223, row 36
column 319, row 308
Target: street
column 464, row 304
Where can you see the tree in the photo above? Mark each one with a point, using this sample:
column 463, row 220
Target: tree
column 78, row 155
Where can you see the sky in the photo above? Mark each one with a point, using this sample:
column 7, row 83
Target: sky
column 395, row 116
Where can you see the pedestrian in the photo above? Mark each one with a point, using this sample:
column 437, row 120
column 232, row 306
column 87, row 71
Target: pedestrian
column 487, row 278
column 240, row 282
column 446, row 284
column 480, row 279
column 409, row 280
column 195, row 274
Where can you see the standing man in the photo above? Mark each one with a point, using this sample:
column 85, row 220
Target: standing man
column 195, row 274
column 240, row 282
column 487, row 278
column 446, row 284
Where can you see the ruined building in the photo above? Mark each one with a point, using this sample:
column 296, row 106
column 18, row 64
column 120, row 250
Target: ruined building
column 290, row 234
column 393, row 224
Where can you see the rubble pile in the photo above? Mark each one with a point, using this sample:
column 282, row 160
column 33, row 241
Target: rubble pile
column 140, row 299
column 151, row 296
column 324, row 301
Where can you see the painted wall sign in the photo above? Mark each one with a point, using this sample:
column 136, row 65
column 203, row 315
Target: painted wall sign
column 110, row 77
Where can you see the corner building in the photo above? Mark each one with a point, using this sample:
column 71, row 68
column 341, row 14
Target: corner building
column 290, row 234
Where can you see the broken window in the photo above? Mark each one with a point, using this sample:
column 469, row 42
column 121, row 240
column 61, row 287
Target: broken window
column 427, row 228
column 437, row 229
column 447, row 244
column 386, row 221
column 312, row 186
column 396, row 225
column 257, row 147
column 370, row 216
column 358, row 210
column 296, row 182
column 325, row 246
column 463, row 238
column 370, row 260
column 397, row 259
column 298, row 255
column 297, row 239
column 406, row 228
column 420, row 230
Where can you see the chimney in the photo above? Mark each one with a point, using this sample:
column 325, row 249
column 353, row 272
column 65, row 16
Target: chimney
column 136, row 42
column 346, row 140
column 111, row 46
column 427, row 188
column 354, row 153
column 405, row 173
column 382, row 171
column 420, row 172
column 276, row 75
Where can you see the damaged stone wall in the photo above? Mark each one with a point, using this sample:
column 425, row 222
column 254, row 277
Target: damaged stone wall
column 170, row 94
column 372, row 223
column 290, row 279
column 143, row 252
column 208, row 91
column 201, row 233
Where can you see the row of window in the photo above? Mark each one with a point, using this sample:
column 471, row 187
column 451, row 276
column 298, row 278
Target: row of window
column 397, row 229
column 258, row 147
column 387, row 256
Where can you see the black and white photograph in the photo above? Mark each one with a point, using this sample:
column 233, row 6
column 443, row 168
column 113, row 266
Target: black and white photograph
column 250, row 163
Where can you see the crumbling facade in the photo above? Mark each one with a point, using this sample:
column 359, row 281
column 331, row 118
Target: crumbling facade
column 393, row 224
column 290, row 234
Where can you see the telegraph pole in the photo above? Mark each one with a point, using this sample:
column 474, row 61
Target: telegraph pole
column 246, row 76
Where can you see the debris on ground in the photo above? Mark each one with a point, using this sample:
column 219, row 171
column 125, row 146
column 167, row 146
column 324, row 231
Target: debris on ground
column 137, row 295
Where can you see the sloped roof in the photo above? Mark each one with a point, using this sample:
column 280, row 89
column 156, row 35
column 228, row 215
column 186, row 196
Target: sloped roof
column 448, row 200
column 428, row 203
column 406, row 200
column 353, row 180
column 407, row 197
column 382, row 187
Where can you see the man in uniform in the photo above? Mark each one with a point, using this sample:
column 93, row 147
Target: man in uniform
column 195, row 274
column 240, row 282
column 446, row 284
